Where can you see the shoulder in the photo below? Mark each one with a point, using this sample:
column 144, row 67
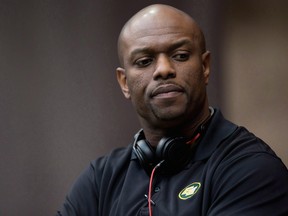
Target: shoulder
column 113, row 160
column 246, row 155
column 105, row 164
column 243, row 150
column 84, row 195
column 244, row 143
column 246, row 175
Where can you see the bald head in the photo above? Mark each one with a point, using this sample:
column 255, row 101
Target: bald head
column 155, row 17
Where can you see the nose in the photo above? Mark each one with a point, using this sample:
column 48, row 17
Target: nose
column 164, row 68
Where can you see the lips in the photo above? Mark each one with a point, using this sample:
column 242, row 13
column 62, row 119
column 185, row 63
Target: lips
column 166, row 89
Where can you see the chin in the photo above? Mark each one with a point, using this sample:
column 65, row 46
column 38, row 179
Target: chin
column 167, row 116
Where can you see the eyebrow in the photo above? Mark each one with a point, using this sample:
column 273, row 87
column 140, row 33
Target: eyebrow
column 180, row 43
column 173, row 45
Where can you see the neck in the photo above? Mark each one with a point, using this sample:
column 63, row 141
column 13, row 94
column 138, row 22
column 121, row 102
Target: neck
column 186, row 129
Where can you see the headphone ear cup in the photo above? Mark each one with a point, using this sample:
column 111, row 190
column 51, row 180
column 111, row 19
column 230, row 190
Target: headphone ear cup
column 171, row 148
column 145, row 153
column 175, row 152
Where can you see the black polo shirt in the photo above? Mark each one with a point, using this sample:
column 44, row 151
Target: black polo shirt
column 232, row 172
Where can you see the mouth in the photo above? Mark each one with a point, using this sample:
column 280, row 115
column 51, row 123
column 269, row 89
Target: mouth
column 166, row 91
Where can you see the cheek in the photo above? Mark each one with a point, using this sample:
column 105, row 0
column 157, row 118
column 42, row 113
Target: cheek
column 137, row 85
column 194, row 80
column 191, row 74
column 196, row 69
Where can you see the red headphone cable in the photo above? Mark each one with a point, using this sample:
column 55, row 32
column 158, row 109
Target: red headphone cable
column 193, row 139
column 150, row 187
column 153, row 172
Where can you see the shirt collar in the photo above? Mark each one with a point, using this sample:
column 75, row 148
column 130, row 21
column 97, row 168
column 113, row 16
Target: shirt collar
column 217, row 131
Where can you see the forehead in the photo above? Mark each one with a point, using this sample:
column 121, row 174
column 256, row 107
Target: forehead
column 155, row 27
column 158, row 39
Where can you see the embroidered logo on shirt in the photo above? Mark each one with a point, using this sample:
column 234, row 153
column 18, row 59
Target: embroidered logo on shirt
column 189, row 191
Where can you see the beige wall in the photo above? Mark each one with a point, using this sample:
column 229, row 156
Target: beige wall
column 255, row 66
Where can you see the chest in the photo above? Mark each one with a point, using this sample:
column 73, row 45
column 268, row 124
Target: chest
column 180, row 194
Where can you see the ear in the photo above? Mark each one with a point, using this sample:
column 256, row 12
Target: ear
column 122, row 80
column 206, row 66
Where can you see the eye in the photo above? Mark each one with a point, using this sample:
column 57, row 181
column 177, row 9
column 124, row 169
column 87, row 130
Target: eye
column 143, row 62
column 181, row 56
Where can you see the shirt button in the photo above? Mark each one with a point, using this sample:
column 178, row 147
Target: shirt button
column 157, row 189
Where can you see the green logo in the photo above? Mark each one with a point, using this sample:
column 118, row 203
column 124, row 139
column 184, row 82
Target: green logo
column 189, row 191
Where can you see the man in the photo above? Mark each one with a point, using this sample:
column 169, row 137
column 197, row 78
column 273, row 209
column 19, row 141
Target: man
column 187, row 159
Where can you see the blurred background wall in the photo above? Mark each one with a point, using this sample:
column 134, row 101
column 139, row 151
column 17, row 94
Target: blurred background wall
column 255, row 65
column 60, row 104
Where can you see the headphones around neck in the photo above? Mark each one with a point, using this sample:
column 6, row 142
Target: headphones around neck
column 176, row 152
